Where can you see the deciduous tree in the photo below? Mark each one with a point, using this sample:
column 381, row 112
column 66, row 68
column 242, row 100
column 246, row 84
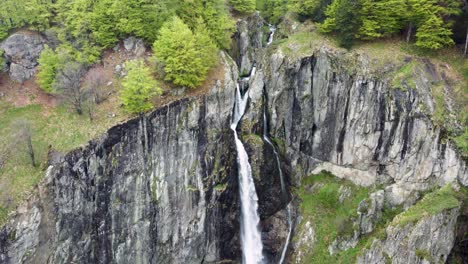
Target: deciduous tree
column 68, row 84
column 49, row 62
column 23, row 135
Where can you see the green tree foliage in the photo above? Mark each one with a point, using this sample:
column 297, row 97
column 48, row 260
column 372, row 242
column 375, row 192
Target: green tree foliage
column 380, row 18
column 213, row 14
column 186, row 57
column 272, row 10
column 138, row 87
column 2, row 60
column 433, row 34
column 314, row 9
column 371, row 19
column 35, row 14
column 243, row 6
column 343, row 18
column 49, row 62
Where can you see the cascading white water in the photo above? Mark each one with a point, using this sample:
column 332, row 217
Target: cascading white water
column 251, row 238
column 250, row 234
column 272, row 33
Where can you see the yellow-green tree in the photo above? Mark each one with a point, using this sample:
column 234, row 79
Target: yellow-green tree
column 138, row 87
column 49, row 62
column 243, row 6
column 433, row 34
column 186, row 57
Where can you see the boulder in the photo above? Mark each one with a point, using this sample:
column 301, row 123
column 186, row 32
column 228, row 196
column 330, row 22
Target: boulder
column 135, row 45
column 21, row 52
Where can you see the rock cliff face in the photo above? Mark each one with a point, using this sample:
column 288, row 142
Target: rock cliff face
column 332, row 114
column 428, row 241
column 353, row 124
column 163, row 188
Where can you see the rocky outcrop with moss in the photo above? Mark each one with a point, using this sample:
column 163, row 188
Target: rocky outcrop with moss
column 21, row 51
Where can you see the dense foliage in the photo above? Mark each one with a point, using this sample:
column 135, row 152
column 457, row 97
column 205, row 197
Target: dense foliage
column 49, row 62
column 186, row 56
column 138, row 87
column 243, row 6
column 367, row 20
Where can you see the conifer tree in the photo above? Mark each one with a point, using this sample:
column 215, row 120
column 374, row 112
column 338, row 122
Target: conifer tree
column 138, row 88
column 243, row 6
column 433, row 34
column 343, row 17
column 186, row 57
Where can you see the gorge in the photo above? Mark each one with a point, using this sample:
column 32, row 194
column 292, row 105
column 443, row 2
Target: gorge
column 218, row 177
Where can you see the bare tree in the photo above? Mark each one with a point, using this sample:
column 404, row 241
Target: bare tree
column 466, row 42
column 89, row 104
column 23, row 135
column 96, row 81
column 68, row 83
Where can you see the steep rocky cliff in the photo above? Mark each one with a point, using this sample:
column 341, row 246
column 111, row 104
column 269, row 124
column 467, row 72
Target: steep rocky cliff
column 162, row 188
column 152, row 190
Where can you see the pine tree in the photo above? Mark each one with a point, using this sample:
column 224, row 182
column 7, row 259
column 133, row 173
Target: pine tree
column 343, row 18
column 380, row 18
column 139, row 88
column 215, row 16
column 243, row 6
column 314, row 9
column 186, row 56
column 433, row 34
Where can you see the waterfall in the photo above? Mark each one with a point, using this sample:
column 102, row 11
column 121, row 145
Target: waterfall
column 283, row 187
column 272, row 34
column 251, row 238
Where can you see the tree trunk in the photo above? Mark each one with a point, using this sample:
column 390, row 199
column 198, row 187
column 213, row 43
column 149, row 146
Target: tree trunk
column 408, row 35
column 466, row 42
column 31, row 152
column 79, row 109
column 90, row 114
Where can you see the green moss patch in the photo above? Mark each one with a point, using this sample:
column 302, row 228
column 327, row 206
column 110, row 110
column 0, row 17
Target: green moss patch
column 330, row 218
column 320, row 196
column 403, row 77
column 432, row 203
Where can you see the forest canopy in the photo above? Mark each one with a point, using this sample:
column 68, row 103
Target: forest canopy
column 85, row 27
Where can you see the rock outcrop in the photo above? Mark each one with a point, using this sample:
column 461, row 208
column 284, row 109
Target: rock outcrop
column 247, row 43
column 430, row 240
column 22, row 50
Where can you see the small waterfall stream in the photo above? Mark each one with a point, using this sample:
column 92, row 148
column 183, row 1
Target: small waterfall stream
column 283, row 187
